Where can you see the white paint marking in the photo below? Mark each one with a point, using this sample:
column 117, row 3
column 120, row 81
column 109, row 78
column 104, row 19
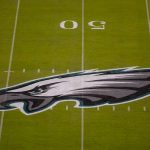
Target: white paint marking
column 148, row 16
column 66, row 107
column 82, row 68
column 74, row 25
column 101, row 25
column 39, row 70
column 68, row 70
column 113, row 108
column 9, row 71
column 24, row 70
column 97, row 108
column 129, row 108
column 53, row 70
column 144, row 108
column 10, row 62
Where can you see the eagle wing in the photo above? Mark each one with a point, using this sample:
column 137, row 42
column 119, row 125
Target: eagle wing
column 110, row 87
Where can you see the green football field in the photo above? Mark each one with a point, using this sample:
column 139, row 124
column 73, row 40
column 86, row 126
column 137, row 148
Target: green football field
column 33, row 45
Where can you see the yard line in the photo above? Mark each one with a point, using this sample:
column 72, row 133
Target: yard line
column 148, row 16
column 38, row 70
column 10, row 62
column 68, row 70
column 144, row 108
column 129, row 108
column 8, row 71
column 66, row 107
column 53, row 70
column 24, row 70
column 82, row 68
column 113, row 108
column 97, row 108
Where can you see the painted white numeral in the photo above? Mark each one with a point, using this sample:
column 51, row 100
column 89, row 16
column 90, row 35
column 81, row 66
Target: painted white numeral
column 63, row 24
column 97, row 25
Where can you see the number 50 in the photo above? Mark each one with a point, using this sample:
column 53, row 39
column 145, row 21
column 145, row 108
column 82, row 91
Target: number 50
column 94, row 25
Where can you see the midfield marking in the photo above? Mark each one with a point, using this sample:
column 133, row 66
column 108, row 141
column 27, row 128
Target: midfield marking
column 82, row 68
column 91, row 24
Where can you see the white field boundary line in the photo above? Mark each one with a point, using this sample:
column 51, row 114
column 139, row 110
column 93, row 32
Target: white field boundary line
column 82, row 68
column 10, row 63
column 148, row 16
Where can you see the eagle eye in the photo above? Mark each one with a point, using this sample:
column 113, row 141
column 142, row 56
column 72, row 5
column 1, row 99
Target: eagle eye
column 37, row 90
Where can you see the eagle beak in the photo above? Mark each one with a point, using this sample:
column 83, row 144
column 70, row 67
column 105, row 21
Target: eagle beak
column 5, row 99
column 26, row 103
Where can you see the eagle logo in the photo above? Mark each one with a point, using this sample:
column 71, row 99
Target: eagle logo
column 90, row 88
